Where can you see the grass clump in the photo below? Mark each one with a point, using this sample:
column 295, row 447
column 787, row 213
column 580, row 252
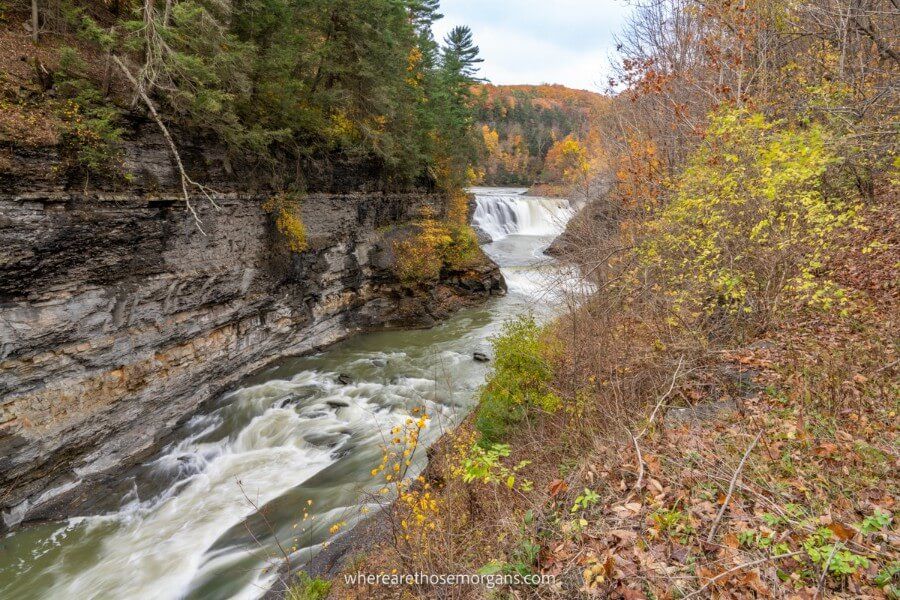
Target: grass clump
column 308, row 588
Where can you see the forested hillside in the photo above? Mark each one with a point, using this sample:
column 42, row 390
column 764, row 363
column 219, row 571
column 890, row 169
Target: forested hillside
column 522, row 124
column 272, row 78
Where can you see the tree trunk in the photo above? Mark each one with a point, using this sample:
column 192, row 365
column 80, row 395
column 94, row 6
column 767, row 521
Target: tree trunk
column 167, row 14
column 107, row 74
column 35, row 21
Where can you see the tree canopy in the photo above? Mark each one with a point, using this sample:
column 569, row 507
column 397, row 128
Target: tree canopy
column 353, row 77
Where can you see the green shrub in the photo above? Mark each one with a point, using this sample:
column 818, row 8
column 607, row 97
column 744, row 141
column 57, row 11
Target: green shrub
column 485, row 464
column 308, row 588
column 520, row 381
column 89, row 130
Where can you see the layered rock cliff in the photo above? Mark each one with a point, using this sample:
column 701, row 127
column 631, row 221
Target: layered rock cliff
column 118, row 317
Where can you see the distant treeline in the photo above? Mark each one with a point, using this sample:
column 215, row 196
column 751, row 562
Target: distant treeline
column 521, row 124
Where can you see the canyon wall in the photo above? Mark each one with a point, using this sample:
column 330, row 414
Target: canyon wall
column 119, row 317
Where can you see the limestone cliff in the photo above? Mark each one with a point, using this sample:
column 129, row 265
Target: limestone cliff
column 118, row 317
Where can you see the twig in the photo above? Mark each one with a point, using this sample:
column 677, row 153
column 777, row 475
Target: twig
column 640, row 459
column 287, row 558
column 741, row 568
column 825, row 570
column 185, row 178
column 734, row 478
column 886, row 367
column 663, row 397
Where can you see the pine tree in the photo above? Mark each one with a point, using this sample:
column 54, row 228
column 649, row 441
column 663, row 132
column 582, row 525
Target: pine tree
column 461, row 53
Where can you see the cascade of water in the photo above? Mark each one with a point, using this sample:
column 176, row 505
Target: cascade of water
column 501, row 212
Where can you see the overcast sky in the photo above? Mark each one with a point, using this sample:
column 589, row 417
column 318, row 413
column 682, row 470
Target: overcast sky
column 540, row 41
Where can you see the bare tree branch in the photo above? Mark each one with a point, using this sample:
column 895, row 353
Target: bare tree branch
column 734, row 478
column 186, row 180
column 883, row 46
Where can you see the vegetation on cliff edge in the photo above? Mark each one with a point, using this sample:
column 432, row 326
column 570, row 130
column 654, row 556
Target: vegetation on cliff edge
column 316, row 78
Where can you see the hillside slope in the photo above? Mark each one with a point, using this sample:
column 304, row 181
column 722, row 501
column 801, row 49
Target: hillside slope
column 521, row 123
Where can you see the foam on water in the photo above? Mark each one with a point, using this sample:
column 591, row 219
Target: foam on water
column 159, row 545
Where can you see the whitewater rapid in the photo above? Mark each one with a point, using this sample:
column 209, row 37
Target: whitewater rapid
column 289, row 441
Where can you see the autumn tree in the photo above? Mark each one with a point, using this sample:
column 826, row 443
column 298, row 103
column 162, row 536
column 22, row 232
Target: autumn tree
column 568, row 161
column 528, row 120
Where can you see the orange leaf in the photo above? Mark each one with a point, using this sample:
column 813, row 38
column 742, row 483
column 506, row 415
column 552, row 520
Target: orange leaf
column 826, row 449
column 557, row 486
column 609, row 565
column 841, row 531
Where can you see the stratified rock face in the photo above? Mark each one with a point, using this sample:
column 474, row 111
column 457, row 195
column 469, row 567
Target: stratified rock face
column 118, row 317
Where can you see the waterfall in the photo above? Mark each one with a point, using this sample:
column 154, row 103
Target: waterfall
column 501, row 212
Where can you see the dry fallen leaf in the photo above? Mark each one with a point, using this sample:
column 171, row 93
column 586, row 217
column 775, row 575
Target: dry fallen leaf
column 841, row 531
column 624, row 535
column 557, row 487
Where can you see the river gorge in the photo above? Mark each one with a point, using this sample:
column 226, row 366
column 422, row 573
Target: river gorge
column 299, row 436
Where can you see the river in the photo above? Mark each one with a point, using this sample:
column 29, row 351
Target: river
column 290, row 440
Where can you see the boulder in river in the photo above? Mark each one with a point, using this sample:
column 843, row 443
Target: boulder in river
column 481, row 357
column 344, row 379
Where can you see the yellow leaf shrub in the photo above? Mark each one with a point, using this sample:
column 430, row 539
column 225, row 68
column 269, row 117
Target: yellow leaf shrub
column 286, row 210
column 749, row 227
column 436, row 245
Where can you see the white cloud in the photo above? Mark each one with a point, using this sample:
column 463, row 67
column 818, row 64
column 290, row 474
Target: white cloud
column 532, row 41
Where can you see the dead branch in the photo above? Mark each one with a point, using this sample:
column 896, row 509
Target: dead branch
column 741, row 568
column 663, row 397
column 186, row 180
column 287, row 558
column 35, row 21
column 881, row 44
column 734, row 478
column 825, row 571
column 640, row 459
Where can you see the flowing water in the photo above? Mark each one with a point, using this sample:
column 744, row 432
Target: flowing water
column 291, row 439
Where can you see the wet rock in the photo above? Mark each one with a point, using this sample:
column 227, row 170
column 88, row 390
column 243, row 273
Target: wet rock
column 481, row 357
column 379, row 362
column 344, row 379
column 337, row 404
column 483, row 236
column 324, row 440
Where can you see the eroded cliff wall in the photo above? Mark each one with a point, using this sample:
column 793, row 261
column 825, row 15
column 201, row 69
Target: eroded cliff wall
column 118, row 317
